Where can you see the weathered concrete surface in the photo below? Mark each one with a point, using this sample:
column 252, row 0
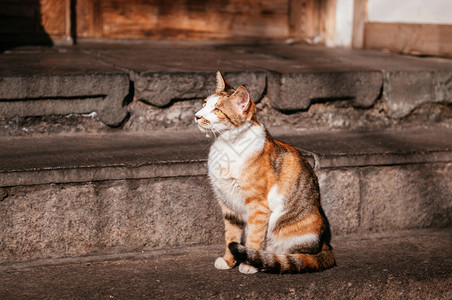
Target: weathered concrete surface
column 296, row 91
column 358, row 76
column 407, row 196
column 341, row 199
column 166, row 72
column 120, row 149
column 141, row 153
column 67, row 159
column 161, row 89
column 294, row 80
column 409, row 265
column 374, row 147
column 421, row 87
column 332, row 85
column 79, row 195
column 409, row 82
column 71, row 220
column 387, row 198
column 39, row 84
column 309, row 85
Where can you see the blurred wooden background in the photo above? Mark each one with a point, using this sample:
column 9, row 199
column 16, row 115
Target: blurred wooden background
column 343, row 23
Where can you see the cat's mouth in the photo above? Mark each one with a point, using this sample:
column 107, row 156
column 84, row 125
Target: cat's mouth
column 205, row 126
column 202, row 126
column 206, row 129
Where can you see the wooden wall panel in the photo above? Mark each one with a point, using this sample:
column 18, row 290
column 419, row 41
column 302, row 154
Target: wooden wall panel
column 304, row 19
column 88, row 20
column 53, row 17
column 185, row 19
column 359, row 21
column 418, row 39
column 327, row 22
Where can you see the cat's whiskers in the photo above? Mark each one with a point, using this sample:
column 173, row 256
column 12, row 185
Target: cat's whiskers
column 213, row 131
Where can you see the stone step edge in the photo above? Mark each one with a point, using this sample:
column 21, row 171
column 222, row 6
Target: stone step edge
column 102, row 173
column 199, row 168
column 153, row 88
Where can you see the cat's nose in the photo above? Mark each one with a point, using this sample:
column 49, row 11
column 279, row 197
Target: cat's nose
column 197, row 118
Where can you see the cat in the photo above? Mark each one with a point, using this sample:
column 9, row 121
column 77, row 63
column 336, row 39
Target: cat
column 268, row 192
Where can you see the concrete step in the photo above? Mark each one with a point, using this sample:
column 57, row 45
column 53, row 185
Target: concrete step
column 412, row 264
column 159, row 85
column 77, row 195
column 50, row 82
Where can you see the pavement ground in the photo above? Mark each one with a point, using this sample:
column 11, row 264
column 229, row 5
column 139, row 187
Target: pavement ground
column 410, row 264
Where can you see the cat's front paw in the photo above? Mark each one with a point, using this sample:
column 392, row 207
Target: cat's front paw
column 221, row 264
column 247, row 269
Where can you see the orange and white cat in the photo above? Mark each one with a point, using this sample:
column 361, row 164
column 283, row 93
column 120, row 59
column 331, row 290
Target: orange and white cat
column 268, row 192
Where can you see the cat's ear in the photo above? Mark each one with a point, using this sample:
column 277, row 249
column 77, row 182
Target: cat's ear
column 241, row 99
column 222, row 84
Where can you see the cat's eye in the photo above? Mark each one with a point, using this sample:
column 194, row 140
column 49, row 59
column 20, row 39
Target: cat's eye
column 217, row 111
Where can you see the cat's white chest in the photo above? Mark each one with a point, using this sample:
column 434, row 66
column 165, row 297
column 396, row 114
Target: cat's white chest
column 227, row 160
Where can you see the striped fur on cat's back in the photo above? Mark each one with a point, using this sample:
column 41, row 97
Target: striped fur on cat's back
column 268, row 192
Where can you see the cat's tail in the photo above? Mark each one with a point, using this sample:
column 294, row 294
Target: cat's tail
column 284, row 263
